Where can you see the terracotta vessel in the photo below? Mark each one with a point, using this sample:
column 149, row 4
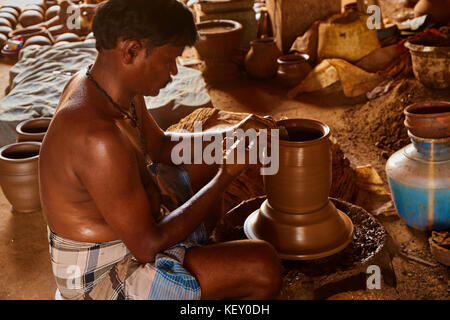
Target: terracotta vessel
column 10, row 17
column 33, row 129
column 5, row 22
column 431, row 61
column 19, row 175
column 27, row 33
column 439, row 10
column 52, row 12
column 428, row 119
column 293, row 68
column 261, row 60
column 218, row 39
column 298, row 218
column 31, row 17
column 5, row 30
column 10, row 10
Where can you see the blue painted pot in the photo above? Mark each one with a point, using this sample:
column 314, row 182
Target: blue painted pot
column 419, row 179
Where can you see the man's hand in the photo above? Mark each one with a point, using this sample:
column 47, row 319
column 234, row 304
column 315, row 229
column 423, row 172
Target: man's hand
column 231, row 164
column 256, row 122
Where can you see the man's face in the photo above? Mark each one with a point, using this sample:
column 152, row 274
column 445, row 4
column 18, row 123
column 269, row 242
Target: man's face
column 154, row 70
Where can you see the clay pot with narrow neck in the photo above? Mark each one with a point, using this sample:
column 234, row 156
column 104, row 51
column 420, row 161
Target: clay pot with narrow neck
column 19, row 175
column 298, row 218
column 292, row 69
column 261, row 60
column 33, row 129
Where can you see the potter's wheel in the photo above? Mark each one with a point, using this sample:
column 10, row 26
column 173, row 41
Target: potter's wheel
column 319, row 252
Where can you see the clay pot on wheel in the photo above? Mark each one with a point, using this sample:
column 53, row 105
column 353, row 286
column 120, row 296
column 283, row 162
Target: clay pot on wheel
column 298, row 218
column 292, row 69
column 439, row 10
column 33, row 129
column 261, row 60
column 19, row 175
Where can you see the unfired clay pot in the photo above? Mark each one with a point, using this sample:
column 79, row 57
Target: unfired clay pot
column 19, row 175
column 67, row 37
column 33, row 129
column 261, row 60
column 51, row 12
column 298, row 218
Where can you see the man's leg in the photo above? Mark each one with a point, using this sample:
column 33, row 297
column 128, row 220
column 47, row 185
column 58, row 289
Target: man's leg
column 246, row 269
column 199, row 176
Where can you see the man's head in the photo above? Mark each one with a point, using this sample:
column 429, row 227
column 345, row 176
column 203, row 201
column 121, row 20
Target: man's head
column 145, row 36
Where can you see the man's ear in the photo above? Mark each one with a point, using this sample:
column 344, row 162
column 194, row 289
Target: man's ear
column 129, row 50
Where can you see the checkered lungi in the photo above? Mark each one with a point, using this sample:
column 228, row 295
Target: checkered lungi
column 108, row 270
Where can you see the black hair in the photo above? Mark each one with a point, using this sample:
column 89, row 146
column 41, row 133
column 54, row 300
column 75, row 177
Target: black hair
column 158, row 21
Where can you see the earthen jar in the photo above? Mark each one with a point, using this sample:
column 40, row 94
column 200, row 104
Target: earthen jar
column 15, row 7
column 30, row 18
column 261, row 60
column 29, row 32
column 19, row 175
column 38, row 40
column 5, row 22
column 10, row 17
column 10, row 10
column 430, row 119
column 67, row 37
column 34, row 7
column 298, row 218
column 3, row 39
column 33, row 129
column 292, row 69
column 52, row 12
column 58, row 29
column 5, row 30
column 439, row 10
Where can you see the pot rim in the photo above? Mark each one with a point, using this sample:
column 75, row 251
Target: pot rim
column 429, row 140
column 296, row 57
column 427, row 104
column 414, row 47
column 218, row 22
column 262, row 41
column 4, row 148
column 316, row 125
column 19, row 127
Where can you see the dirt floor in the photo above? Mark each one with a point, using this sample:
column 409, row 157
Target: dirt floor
column 25, row 271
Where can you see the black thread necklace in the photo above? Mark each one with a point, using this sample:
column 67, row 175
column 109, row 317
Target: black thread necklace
column 133, row 118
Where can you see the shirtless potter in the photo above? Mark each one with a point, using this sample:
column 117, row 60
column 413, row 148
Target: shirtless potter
column 95, row 186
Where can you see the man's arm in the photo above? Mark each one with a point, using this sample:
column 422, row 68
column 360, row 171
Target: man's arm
column 110, row 173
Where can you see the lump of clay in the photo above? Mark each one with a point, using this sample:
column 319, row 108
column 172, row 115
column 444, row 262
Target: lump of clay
column 9, row 16
column 5, row 22
column 38, row 40
column 68, row 37
column 5, row 30
column 51, row 12
column 30, row 17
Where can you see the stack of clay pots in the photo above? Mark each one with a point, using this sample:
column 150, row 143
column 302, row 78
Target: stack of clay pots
column 19, row 166
column 44, row 23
